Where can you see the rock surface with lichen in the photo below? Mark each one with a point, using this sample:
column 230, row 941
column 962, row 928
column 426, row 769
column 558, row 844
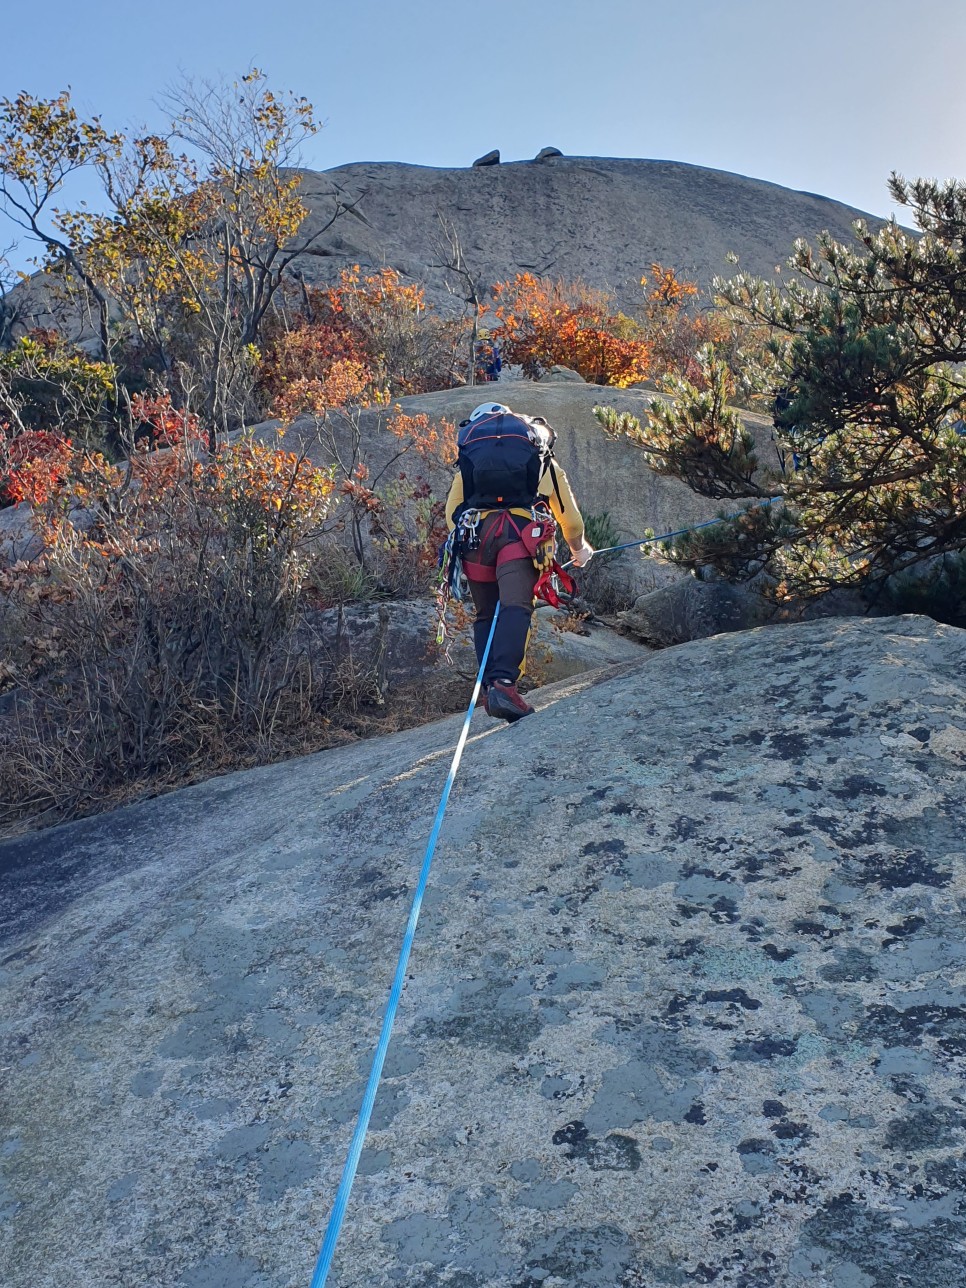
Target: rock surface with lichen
column 687, row 1003
column 599, row 220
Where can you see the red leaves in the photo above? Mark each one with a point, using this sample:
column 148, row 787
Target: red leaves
column 169, row 425
column 544, row 323
column 34, row 465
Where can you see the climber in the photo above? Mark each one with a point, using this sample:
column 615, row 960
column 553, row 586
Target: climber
column 495, row 364
column 505, row 502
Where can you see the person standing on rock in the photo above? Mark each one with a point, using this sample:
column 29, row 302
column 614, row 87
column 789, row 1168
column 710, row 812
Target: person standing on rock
column 505, row 503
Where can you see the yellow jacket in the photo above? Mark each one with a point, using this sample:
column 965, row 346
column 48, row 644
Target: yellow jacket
column 564, row 509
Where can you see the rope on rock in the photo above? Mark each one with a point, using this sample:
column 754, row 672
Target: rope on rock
column 372, row 1086
column 668, row 536
column 337, row 1215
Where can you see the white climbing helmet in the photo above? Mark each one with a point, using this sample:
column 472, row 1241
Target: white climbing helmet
column 489, row 409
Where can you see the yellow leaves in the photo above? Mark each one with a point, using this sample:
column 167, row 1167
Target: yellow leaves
column 43, row 355
column 668, row 289
column 43, row 140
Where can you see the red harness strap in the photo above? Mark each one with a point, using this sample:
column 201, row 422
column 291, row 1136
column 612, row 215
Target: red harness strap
column 553, row 580
column 513, row 550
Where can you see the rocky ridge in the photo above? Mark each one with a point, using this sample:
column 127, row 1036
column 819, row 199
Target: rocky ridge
column 603, row 220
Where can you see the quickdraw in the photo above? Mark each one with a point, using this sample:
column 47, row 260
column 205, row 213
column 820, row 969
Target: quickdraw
column 537, row 537
column 451, row 583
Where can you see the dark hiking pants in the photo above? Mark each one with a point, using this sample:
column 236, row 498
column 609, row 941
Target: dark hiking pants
column 511, row 588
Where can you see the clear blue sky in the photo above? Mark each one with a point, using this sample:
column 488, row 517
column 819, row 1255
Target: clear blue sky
column 828, row 96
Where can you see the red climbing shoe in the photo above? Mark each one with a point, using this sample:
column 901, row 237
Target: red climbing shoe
column 505, row 703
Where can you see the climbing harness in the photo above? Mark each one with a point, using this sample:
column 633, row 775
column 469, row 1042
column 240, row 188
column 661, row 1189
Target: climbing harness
column 536, row 539
column 337, row 1215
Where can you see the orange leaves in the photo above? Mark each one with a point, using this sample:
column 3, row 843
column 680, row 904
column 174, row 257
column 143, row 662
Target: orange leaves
column 246, row 491
column 320, row 362
column 34, row 466
column 363, row 499
column 667, row 289
column 381, row 291
column 427, row 440
column 543, row 324
column 675, row 333
column 363, row 340
column 274, row 495
column 344, row 381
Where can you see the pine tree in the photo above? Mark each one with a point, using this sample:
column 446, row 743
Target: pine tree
column 865, row 354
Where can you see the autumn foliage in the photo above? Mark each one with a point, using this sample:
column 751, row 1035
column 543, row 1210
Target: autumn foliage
column 544, row 324
column 168, row 426
column 177, row 262
column 676, row 329
column 154, row 636
column 33, row 465
column 366, row 339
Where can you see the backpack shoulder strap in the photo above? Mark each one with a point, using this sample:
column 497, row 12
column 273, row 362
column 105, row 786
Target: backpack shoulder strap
column 553, row 480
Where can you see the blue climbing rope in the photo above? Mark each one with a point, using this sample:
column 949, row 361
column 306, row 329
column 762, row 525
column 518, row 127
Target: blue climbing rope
column 668, row 536
column 337, row 1215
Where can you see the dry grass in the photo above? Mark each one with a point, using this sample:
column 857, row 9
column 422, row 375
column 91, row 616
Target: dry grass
column 47, row 777
column 129, row 669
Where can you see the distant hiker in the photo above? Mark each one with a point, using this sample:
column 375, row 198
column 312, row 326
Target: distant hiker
column 488, row 362
column 780, row 405
column 504, row 506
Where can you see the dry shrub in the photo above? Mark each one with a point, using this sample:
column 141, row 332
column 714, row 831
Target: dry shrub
column 390, row 516
column 366, row 339
column 170, row 641
column 162, row 635
column 411, row 533
column 160, row 644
